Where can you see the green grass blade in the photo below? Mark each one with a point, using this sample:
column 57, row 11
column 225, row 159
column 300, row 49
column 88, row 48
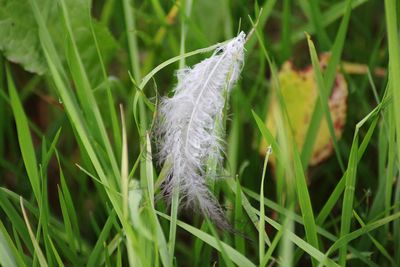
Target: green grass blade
column 24, row 138
column 396, row 225
column 161, row 242
column 336, row 11
column 78, row 122
column 267, row 10
column 305, row 201
column 239, row 216
column 6, row 256
column 16, row 220
column 298, row 219
column 67, row 221
column 348, row 198
column 273, row 246
column 119, row 258
column 85, row 94
column 124, row 166
column 391, row 169
column 159, row 239
column 129, row 17
column 329, row 79
column 286, row 249
column 309, row 249
column 343, row 240
column 69, row 204
column 38, row 251
column 267, row 135
column 333, row 198
column 149, row 171
column 324, row 99
column 261, row 224
column 316, row 20
column 302, row 191
column 286, row 29
column 52, row 148
column 55, row 252
column 378, row 245
column 233, row 254
column 173, row 221
column 44, row 209
column 221, row 248
column 69, row 102
column 95, row 254
column 247, row 207
column 17, row 255
column 110, row 99
column 391, row 6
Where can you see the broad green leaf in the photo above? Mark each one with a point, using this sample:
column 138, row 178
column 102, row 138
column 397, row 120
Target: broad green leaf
column 19, row 38
column 19, row 35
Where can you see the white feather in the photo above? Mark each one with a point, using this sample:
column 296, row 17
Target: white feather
column 187, row 126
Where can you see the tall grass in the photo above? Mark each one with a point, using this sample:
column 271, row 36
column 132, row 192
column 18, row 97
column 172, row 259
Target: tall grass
column 80, row 181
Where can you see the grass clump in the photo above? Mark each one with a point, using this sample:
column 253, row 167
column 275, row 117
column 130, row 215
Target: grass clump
column 80, row 87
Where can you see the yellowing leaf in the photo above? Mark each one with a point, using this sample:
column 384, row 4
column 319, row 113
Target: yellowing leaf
column 300, row 93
